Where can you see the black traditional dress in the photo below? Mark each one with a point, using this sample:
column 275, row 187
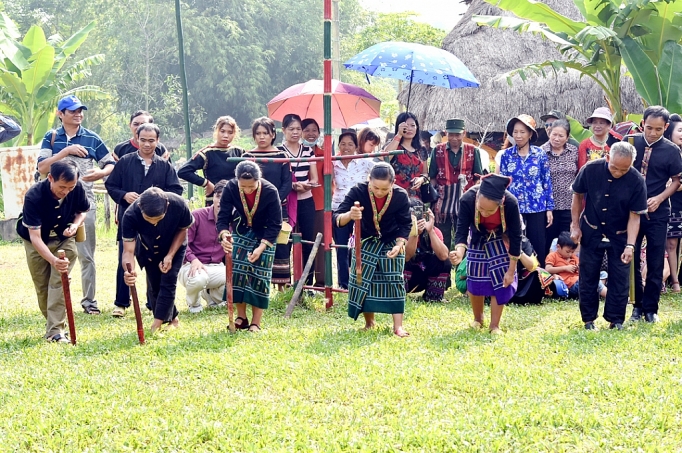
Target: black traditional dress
column 382, row 289
column 212, row 160
column 254, row 218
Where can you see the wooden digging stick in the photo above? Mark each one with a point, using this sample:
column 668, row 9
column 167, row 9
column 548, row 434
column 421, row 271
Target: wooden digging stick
column 632, row 280
column 306, row 271
column 228, row 292
column 358, row 248
column 67, row 300
column 136, row 308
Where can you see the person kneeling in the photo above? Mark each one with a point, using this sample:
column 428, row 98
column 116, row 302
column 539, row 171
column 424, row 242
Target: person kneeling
column 159, row 221
column 251, row 206
column 565, row 264
column 203, row 274
column 427, row 267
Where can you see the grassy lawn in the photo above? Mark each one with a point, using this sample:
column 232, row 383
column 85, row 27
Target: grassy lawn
column 316, row 383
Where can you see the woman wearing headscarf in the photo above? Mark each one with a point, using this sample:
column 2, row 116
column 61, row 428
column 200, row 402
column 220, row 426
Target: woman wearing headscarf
column 531, row 184
column 250, row 206
column 212, row 159
column 384, row 213
column 489, row 214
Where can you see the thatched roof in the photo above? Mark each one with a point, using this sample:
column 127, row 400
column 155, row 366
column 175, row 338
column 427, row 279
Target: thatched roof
column 489, row 52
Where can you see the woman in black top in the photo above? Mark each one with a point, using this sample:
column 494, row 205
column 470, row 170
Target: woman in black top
column 212, row 159
column 279, row 175
column 386, row 223
column 251, row 207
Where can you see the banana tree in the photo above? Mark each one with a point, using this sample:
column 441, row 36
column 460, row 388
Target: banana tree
column 613, row 33
column 36, row 71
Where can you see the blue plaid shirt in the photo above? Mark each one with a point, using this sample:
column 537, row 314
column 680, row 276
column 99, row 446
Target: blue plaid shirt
column 531, row 181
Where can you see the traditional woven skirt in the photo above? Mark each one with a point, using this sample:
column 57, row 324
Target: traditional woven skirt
column 674, row 226
column 281, row 269
column 251, row 281
column 383, row 285
column 487, row 262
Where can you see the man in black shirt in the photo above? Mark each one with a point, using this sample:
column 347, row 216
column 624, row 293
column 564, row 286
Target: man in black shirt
column 159, row 221
column 614, row 196
column 53, row 211
column 659, row 161
column 132, row 175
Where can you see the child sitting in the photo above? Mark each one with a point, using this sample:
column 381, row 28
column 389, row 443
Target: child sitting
column 566, row 264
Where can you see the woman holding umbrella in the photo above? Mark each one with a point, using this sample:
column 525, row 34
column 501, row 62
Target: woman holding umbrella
column 212, row 159
column 410, row 170
column 489, row 214
column 386, row 223
column 279, row 175
column 251, row 207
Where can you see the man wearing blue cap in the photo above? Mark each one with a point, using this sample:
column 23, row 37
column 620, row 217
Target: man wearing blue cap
column 73, row 142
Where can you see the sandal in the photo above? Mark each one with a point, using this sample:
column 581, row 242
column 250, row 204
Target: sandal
column 256, row 326
column 243, row 323
column 118, row 312
column 91, row 310
column 59, row 338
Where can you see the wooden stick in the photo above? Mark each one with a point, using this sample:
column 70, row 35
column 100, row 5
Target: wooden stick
column 228, row 292
column 632, row 280
column 358, row 248
column 136, row 308
column 306, row 271
column 67, row 300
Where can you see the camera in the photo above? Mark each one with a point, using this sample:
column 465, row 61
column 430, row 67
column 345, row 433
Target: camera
column 418, row 212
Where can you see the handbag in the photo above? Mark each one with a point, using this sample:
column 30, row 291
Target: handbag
column 428, row 193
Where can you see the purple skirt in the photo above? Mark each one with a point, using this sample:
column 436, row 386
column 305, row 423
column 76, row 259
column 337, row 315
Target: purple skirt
column 487, row 263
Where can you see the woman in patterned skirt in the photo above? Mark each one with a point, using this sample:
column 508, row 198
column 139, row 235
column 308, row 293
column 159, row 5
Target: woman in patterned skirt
column 674, row 134
column 488, row 211
column 250, row 205
column 279, row 175
column 384, row 212
column 410, row 170
column 212, row 159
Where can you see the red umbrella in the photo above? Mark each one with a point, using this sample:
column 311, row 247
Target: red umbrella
column 350, row 104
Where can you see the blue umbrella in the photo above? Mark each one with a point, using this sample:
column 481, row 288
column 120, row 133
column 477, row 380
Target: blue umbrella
column 412, row 62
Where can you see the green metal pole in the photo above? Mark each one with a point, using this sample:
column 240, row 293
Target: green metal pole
column 327, row 104
column 183, row 80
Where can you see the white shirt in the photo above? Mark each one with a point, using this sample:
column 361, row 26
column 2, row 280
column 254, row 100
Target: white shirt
column 346, row 178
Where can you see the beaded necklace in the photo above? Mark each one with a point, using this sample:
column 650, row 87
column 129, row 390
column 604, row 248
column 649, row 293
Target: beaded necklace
column 377, row 216
column 252, row 212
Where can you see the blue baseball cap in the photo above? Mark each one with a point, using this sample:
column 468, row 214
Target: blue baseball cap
column 70, row 103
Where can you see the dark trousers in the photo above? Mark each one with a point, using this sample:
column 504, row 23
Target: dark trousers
column 319, row 258
column 122, row 290
column 647, row 296
column 341, row 236
column 161, row 287
column 591, row 257
column 422, row 274
column 305, row 224
column 448, row 228
column 536, row 224
column 561, row 223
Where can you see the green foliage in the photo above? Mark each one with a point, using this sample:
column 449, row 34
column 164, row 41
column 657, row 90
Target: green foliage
column 317, row 383
column 643, row 35
column 36, row 72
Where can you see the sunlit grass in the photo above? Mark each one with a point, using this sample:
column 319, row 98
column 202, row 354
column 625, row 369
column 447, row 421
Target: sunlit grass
column 315, row 382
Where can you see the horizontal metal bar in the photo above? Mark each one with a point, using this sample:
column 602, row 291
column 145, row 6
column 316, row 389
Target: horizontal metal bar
column 334, row 290
column 313, row 159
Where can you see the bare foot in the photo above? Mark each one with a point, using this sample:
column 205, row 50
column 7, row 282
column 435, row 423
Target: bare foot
column 401, row 332
column 369, row 326
column 175, row 323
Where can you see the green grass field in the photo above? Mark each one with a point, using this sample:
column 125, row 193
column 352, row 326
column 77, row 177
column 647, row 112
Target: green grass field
column 317, row 383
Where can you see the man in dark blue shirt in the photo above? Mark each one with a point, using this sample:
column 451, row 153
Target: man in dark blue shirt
column 73, row 142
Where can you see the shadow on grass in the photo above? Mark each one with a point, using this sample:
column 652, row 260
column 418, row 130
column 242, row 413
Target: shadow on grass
column 333, row 341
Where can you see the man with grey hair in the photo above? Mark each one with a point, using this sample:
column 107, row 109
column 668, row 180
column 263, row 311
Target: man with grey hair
column 613, row 194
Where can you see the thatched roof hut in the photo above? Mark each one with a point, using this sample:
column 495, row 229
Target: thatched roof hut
column 489, row 52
